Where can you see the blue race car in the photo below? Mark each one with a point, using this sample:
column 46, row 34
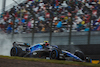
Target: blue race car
column 44, row 50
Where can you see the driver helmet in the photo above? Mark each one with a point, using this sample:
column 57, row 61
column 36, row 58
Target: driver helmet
column 46, row 43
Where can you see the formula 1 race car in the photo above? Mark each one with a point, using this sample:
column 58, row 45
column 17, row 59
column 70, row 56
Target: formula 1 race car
column 44, row 50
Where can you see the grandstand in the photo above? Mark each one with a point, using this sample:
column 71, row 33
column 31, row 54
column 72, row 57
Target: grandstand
column 61, row 10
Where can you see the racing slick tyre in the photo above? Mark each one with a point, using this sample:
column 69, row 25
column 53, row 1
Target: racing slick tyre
column 54, row 54
column 15, row 51
column 80, row 54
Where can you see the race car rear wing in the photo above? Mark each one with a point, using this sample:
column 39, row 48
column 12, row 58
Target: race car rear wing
column 21, row 44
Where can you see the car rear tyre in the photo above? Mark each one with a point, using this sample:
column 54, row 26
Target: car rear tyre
column 15, row 51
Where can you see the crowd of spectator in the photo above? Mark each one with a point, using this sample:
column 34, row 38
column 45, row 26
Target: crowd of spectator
column 60, row 13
